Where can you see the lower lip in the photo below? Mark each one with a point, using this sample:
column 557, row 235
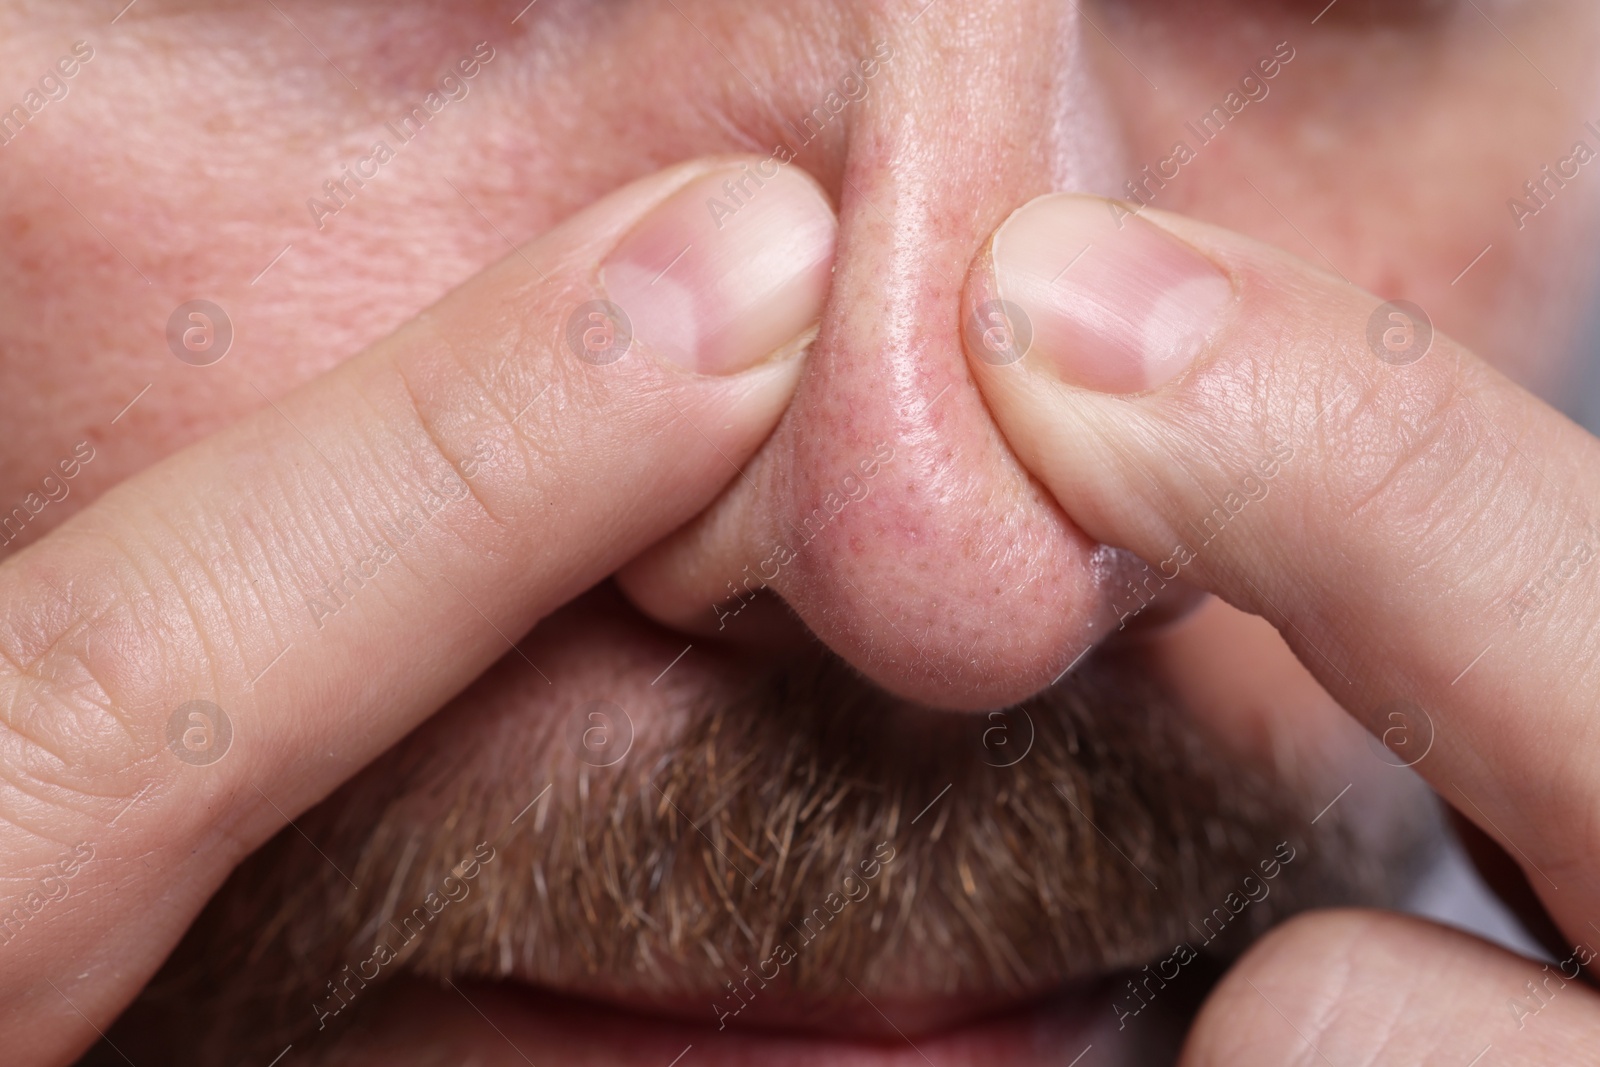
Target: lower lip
column 507, row 1025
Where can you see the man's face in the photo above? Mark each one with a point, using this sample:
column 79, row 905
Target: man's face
column 718, row 775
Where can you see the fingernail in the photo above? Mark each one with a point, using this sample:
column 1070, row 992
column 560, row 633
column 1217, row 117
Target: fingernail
column 727, row 270
column 1114, row 303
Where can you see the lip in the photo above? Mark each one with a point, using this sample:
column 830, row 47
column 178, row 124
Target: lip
column 849, row 1015
column 510, row 1025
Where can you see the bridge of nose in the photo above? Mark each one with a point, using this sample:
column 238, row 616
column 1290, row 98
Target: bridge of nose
column 887, row 510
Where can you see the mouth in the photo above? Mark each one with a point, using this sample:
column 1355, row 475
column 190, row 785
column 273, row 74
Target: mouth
column 507, row 1025
column 769, row 863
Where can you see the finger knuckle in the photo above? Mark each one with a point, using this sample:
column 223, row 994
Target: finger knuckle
column 87, row 674
column 473, row 435
column 1418, row 469
column 65, row 757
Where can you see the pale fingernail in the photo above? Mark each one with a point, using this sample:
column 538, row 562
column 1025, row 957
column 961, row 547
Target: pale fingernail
column 1114, row 303
column 728, row 270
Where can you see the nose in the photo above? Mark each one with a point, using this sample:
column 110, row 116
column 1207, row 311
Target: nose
column 887, row 511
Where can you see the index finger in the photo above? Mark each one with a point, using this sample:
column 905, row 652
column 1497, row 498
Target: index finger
column 316, row 580
column 1418, row 527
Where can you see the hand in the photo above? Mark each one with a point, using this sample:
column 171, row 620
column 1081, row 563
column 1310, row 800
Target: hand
column 171, row 695
column 1420, row 530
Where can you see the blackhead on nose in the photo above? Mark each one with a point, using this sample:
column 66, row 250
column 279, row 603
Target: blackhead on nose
column 887, row 511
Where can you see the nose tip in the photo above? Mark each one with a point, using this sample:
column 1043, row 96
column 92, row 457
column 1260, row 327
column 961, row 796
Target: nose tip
column 922, row 552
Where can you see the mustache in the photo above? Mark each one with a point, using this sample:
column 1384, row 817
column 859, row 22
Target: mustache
column 778, row 851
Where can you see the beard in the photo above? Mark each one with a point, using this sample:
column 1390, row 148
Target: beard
column 767, row 854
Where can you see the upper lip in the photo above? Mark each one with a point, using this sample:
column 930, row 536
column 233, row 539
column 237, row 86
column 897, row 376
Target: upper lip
column 852, row 1015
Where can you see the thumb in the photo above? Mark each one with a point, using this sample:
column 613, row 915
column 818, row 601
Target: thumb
column 1417, row 526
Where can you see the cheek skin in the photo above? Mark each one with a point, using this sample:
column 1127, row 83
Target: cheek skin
column 1398, row 190
column 198, row 172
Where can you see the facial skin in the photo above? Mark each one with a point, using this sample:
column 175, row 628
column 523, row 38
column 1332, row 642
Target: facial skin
column 179, row 164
